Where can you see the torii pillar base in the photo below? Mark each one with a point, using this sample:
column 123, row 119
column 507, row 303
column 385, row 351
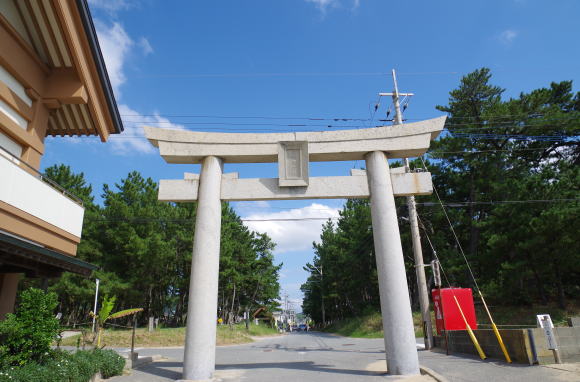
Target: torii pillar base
column 400, row 345
column 200, row 336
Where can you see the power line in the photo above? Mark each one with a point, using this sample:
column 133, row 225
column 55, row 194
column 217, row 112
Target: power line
column 453, row 230
column 245, row 117
column 428, row 204
column 484, row 120
column 291, row 74
column 435, row 153
column 463, row 204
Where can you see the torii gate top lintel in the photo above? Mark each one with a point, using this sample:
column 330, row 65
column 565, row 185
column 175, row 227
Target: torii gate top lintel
column 402, row 141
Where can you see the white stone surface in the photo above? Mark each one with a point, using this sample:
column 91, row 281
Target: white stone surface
column 293, row 164
column 400, row 347
column 200, row 336
column 334, row 187
column 26, row 192
column 179, row 146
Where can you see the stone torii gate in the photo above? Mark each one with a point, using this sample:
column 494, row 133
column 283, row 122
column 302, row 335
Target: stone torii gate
column 293, row 152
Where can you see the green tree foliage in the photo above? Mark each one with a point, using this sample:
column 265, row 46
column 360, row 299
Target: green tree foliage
column 248, row 276
column 344, row 270
column 143, row 248
column 26, row 336
column 494, row 149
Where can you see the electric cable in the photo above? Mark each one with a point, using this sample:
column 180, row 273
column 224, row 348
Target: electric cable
column 498, row 336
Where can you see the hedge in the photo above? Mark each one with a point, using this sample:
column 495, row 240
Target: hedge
column 62, row 366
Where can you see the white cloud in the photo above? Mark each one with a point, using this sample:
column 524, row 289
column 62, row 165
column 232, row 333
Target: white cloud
column 508, row 36
column 295, row 235
column 111, row 6
column 145, row 46
column 323, row 4
column 133, row 140
column 115, row 45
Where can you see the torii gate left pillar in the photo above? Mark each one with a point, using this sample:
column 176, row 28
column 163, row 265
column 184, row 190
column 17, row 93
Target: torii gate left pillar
column 199, row 355
column 293, row 152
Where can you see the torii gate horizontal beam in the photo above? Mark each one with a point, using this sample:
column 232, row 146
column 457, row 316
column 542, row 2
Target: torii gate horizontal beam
column 327, row 187
column 409, row 140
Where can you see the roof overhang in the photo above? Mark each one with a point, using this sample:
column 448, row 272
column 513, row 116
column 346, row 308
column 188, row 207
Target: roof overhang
column 91, row 34
column 55, row 56
column 19, row 256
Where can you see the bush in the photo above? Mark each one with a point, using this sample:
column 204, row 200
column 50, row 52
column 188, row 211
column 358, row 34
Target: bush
column 110, row 363
column 62, row 366
column 27, row 335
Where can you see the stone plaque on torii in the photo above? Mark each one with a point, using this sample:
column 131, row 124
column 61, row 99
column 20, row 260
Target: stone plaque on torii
column 293, row 152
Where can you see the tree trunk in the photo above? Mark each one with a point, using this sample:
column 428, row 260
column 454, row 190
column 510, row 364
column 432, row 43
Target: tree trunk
column 559, row 285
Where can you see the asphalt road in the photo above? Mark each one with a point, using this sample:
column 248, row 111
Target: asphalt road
column 323, row 357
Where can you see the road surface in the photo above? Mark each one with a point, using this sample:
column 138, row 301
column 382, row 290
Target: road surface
column 323, row 357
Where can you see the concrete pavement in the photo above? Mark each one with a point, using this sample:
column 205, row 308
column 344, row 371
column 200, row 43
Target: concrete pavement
column 324, row 357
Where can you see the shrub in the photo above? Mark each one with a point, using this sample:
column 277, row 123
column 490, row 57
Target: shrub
column 27, row 335
column 110, row 363
column 66, row 367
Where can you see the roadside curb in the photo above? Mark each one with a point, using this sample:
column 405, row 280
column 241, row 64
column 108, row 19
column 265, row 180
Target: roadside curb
column 139, row 361
column 433, row 374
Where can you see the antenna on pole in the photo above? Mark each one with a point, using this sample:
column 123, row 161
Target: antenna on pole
column 398, row 119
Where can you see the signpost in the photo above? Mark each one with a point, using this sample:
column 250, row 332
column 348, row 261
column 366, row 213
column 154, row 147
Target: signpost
column 545, row 322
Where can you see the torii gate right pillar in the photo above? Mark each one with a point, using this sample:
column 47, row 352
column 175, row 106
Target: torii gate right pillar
column 400, row 345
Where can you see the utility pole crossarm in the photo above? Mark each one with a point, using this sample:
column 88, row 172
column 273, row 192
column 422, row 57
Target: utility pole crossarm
column 400, row 94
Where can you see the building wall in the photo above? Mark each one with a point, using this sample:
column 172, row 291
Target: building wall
column 8, row 288
column 24, row 118
column 52, row 82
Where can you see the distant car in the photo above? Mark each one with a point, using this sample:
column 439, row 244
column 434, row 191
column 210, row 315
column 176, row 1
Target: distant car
column 302, row 327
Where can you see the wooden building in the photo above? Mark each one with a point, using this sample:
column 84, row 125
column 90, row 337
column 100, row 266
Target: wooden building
column 53, row 82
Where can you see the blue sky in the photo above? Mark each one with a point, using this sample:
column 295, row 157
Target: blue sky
column 171, row 62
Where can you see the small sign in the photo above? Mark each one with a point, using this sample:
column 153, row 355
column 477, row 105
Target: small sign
column 545, row 322
column 293, row 164
column 544, row 319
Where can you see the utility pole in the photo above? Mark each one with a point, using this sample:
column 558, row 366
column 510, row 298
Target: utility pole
column 96, row 299
column 413, row 221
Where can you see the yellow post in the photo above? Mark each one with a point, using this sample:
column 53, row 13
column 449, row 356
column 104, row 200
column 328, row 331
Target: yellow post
column 497, row 335
column 471, row 334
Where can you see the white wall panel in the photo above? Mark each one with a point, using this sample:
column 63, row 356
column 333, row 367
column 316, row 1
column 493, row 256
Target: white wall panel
column 13, row 115
column 10, row 145
column 30, row 194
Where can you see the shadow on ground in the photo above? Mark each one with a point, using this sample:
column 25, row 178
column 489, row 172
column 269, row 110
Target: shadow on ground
column 163, row 368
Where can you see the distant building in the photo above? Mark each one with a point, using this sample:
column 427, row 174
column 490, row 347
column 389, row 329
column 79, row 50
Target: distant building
column 53, row 82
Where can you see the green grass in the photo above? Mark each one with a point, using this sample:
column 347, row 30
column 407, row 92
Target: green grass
column 525, row 315
column 261, row 330
column 510, row 317
column 368, row 326
column 226, row 335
